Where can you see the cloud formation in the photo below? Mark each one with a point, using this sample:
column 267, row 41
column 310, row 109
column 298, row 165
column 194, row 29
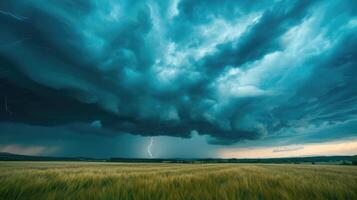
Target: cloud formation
column 231, row 70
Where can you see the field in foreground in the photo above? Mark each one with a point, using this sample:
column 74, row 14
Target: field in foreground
column 78, row 180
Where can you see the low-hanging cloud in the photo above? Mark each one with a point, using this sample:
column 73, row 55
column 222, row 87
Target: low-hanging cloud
column 231, row 70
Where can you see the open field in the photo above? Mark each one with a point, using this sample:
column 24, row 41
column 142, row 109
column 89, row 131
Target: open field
column 79, row 180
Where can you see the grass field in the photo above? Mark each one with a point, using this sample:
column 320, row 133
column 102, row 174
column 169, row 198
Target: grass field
column 71, row 180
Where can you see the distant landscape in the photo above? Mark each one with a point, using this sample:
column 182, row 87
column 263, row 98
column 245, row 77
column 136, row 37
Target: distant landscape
column 344, row 160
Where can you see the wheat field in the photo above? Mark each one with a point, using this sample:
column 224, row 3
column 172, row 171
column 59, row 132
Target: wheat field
column 80, row 180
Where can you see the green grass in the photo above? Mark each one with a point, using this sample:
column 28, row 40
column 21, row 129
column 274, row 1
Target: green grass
column 78, row 180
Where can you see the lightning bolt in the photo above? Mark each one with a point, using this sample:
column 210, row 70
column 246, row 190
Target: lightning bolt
column 7, row 107
column 18, row 17
column 149, row 147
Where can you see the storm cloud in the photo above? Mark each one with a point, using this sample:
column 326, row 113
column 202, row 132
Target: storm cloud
column 233, row 70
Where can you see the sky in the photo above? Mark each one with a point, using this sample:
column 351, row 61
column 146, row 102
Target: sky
column 178, row 78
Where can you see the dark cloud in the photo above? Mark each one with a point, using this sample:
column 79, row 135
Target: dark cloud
column 231, row 70
column 262, row 38
column 327, row 96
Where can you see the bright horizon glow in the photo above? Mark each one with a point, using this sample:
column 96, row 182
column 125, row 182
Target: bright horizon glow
column 312, row 149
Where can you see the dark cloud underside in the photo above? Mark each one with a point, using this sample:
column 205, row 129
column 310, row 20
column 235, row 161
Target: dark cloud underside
column 230, row 70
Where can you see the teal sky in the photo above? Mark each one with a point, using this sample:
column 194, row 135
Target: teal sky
column 178, row 78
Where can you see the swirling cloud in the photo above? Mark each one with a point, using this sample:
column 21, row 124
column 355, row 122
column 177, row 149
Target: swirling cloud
column 231, row 70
